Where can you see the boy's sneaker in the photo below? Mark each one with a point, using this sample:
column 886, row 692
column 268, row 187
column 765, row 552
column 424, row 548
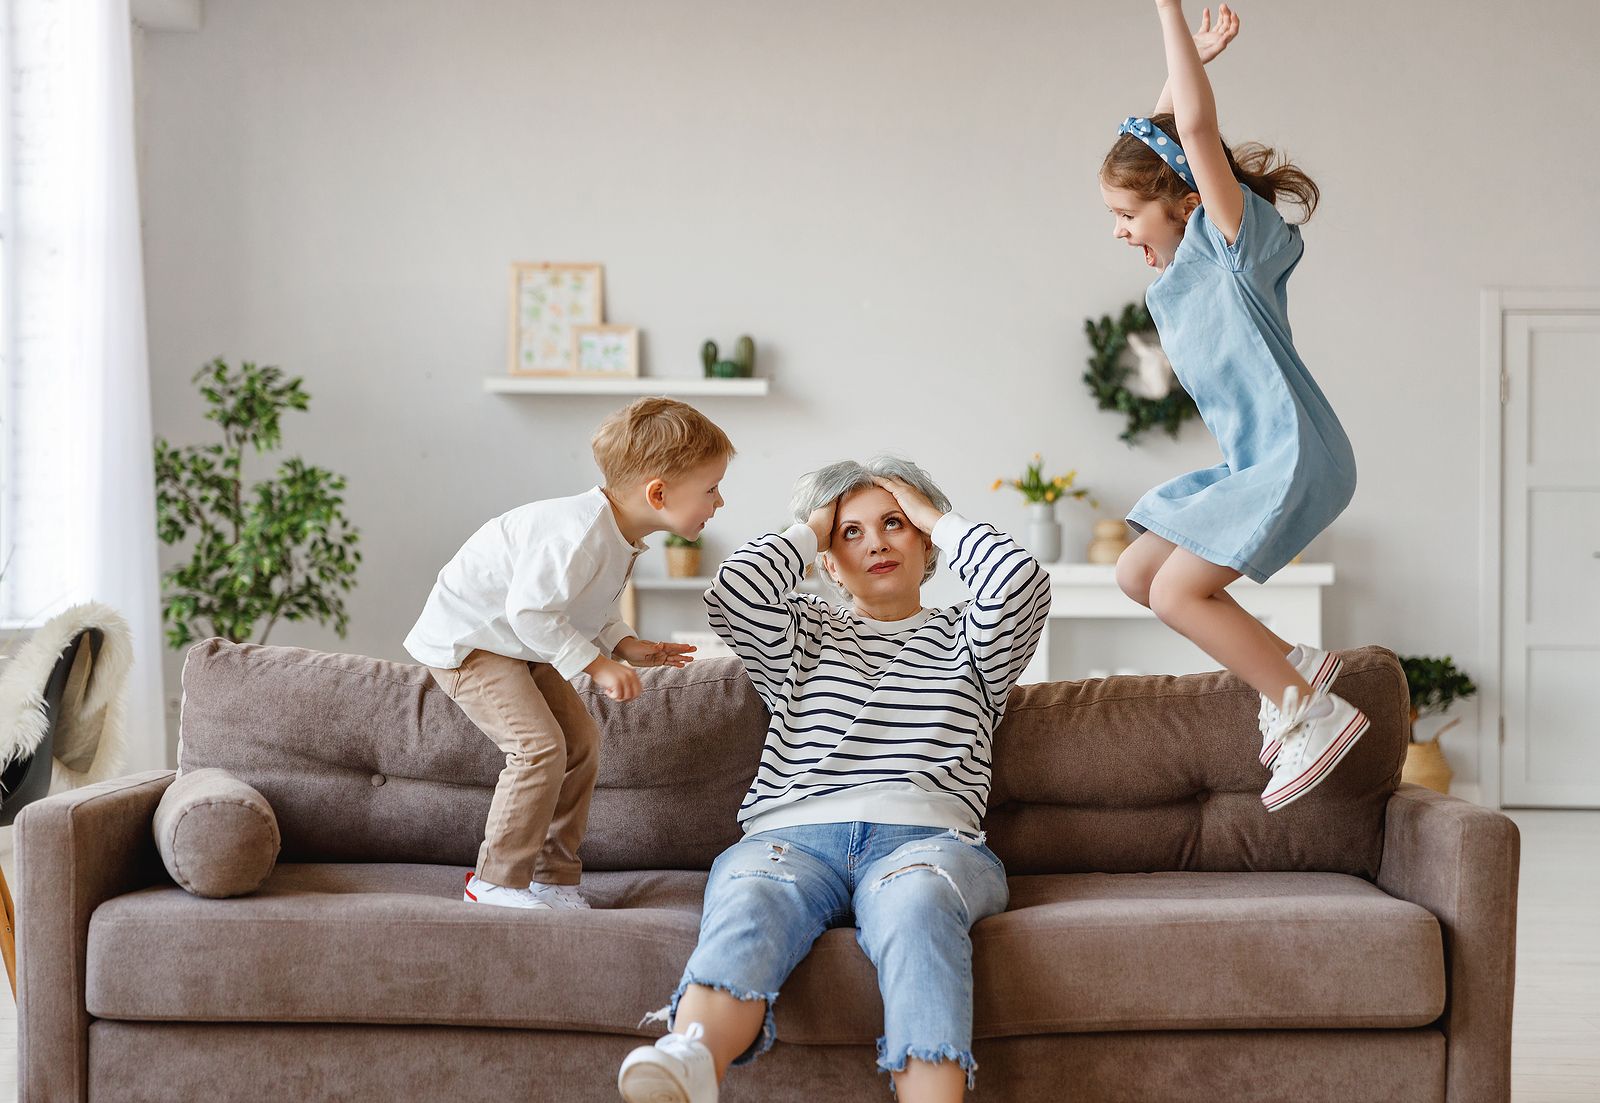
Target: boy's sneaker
column 1319, row 668
column 558, row 897
column 501, row 896
column 677, row 1069
column 1316, row 734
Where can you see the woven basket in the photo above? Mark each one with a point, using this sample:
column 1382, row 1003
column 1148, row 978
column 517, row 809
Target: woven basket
column 1425, row 765
column 683, row 562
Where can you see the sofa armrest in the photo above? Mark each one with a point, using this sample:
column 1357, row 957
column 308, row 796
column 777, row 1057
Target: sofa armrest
column 1461, row 862
column 74, row 851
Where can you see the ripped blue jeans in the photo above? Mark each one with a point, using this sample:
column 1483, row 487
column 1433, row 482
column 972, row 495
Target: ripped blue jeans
column 912, row 892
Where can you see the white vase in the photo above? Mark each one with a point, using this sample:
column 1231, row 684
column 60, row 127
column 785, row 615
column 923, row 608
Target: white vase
column 1044, row 532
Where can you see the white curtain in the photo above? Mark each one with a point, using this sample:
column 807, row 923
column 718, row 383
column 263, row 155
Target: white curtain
column 86, row 522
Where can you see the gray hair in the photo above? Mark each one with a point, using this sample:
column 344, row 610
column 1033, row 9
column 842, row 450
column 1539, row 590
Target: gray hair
column 831, row 483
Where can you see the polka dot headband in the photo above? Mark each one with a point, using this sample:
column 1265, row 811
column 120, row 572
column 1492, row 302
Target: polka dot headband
column 1169, row 151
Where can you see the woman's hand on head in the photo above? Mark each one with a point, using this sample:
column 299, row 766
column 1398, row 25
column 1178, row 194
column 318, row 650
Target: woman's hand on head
column 1211, row 39
column 821, row 522
column 913, row 503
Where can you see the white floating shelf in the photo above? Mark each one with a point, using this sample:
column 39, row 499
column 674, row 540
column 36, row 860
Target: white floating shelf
column 647, row 384
column 659, row 583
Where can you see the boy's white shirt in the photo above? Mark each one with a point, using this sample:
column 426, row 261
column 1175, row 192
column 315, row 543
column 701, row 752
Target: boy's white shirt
column 538, row 583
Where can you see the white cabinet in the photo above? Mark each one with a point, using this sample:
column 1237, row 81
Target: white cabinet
column 1084, row 597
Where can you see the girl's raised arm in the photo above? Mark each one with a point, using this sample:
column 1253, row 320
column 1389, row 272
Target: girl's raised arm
column 1209, row 41
column 1196, row 113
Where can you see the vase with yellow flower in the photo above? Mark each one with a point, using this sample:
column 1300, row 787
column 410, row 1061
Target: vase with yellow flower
column 1042, row 493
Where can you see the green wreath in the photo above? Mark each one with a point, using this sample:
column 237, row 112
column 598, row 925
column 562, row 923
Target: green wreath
column 1107, row 377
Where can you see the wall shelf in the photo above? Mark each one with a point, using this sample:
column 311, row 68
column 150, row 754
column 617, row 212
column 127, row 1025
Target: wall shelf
column 643, row 385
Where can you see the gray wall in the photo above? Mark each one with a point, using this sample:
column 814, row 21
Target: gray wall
column 897, row 199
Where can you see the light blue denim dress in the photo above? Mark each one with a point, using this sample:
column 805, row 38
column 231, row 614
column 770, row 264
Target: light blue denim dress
column 1287, row 468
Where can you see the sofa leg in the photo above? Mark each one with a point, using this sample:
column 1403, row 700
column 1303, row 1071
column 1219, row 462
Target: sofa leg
column 8, row 937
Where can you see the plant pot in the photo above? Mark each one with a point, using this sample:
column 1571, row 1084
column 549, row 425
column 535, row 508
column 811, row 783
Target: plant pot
column 1044, row 532
column 683, row 562
column 1426, row 766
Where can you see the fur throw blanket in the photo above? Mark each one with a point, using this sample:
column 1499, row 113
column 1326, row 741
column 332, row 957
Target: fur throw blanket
column 88, row 743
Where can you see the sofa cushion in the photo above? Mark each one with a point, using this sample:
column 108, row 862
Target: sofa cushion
column 366, row 760
column 1156, row 772
column 1092, row 952
column 216, row 835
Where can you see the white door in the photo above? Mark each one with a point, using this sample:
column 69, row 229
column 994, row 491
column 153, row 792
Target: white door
column 1550, row 657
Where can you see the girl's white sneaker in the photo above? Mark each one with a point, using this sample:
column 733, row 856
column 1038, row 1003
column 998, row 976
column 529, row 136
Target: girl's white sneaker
column 501, row 896
column 1316, row 735
column 1317, row 667
column 677, row 1069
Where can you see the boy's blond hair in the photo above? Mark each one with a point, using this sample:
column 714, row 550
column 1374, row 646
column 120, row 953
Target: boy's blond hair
column 656, row 438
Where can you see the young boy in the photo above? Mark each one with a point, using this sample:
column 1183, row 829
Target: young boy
column 528, row 602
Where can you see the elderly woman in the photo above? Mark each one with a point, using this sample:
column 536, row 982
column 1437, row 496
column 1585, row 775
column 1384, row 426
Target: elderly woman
column 866, row 805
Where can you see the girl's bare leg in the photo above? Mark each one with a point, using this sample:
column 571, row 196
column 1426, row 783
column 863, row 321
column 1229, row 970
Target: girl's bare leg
column 730, row 1024
column 930, row 1082
column 1188, row 595
column 1139, row 563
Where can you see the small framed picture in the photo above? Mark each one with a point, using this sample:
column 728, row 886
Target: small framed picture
column 606, row 351
column 547, row 301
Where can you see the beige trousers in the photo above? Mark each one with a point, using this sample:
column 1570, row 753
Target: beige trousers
column 551, row 744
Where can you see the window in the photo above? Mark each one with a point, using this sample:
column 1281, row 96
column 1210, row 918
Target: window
column 37, row 107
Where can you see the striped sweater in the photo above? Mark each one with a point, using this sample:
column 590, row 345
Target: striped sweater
column 874, row 721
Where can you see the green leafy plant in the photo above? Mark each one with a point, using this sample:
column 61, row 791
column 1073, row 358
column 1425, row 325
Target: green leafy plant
column 1107, row 377
column 673, row 540
column 1435, row 685
column 279, row 549
column 1036, row 488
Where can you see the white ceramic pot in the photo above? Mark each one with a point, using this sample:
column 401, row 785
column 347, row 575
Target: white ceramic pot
column 1044, row 532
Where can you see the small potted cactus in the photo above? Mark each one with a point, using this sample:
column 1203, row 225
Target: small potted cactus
column 683, row 557
column 742, row 366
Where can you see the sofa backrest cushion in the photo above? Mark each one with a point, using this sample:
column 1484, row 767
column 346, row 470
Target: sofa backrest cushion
column 368, row 760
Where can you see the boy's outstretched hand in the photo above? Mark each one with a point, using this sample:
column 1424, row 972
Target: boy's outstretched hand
column 637, row 652
column 614, row 680
column 1209, row 40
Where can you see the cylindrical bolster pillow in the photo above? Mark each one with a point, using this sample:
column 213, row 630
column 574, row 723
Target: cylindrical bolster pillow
column 217, row 835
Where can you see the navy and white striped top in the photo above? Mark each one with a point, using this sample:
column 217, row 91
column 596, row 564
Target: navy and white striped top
column 883, row 722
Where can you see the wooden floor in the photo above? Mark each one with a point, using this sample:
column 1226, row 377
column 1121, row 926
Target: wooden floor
column 1556, row 1033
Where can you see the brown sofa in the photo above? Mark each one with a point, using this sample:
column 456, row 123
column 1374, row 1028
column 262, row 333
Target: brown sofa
column 1167, row 939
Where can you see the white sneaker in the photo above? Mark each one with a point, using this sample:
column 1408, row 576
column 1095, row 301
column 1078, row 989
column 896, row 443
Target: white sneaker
column 1316, row 734
column 559, row 897
column 501, row 896
column 677, row 1069
column 1319, row 668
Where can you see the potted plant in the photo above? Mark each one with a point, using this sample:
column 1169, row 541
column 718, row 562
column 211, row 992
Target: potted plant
column 275, row 549
column 741, row 366
column 683, row 557
column 1044, row 531
column 1435, row 685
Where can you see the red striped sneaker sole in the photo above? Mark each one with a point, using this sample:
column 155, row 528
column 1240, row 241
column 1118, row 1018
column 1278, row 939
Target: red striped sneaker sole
column 1326, row 673
column 1310, row 778
column 466, row 893
column 1270, row 752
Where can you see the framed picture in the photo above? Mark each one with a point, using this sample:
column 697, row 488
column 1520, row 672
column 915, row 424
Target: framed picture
column 606, row 351
column 547, row 301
